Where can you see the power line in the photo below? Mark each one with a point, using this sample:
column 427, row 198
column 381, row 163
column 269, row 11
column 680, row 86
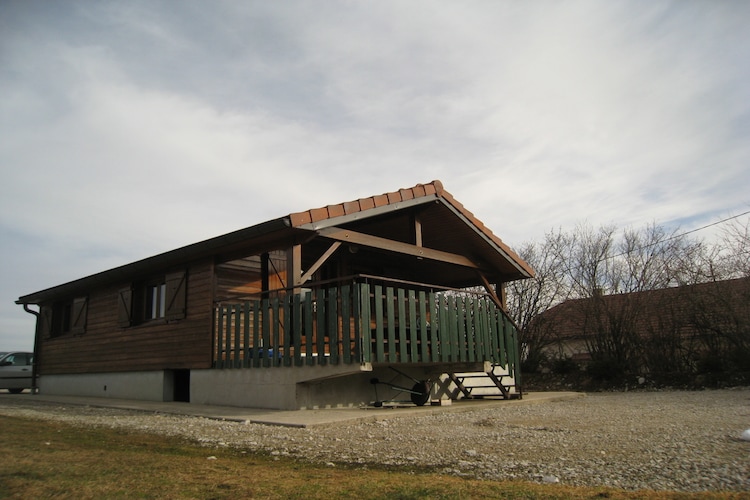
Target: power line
column 675, row 236
column 710, row 225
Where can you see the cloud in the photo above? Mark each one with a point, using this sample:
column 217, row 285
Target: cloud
column 134, row 128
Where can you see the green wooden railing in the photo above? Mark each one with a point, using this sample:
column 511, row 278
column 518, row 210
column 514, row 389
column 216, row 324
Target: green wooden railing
column 363, row 323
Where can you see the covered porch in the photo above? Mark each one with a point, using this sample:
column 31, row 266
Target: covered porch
column 364, row 323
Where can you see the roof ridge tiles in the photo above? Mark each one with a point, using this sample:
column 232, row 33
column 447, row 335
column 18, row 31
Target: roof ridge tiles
column 349, row 207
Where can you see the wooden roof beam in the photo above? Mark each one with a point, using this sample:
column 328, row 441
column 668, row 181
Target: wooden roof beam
column 491, row 291
column 323, row 258
column 367, row 240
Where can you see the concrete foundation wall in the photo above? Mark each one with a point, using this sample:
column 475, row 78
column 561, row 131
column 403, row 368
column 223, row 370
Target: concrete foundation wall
column 148, row 386
column 283, row 388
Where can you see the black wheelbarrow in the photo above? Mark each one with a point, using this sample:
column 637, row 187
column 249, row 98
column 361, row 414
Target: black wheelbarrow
column 419, row 393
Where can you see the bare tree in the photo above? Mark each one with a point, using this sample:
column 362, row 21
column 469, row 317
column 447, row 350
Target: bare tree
column 735, row 242
column 612, row 274
column 611, row 271
column 527, row 299
column 647, row 259
column 584, row 254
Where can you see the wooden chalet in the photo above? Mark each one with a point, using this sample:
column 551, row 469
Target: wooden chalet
column 393, row 296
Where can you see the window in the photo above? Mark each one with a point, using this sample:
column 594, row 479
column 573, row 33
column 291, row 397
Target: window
column 155, row 301
column 67, row 316
column 20, row 359
column 161, row 298
column 62, row 321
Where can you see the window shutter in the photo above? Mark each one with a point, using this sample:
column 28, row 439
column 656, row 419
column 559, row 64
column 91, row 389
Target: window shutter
column 176, row 295
column 78, row 316
column 45, row 321
column 125, row 307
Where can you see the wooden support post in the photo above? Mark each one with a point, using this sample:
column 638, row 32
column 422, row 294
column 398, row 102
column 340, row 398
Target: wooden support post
column 492, row 292
column 417, row 232
column 294, row 267
column 323, row 258
column 264, row 274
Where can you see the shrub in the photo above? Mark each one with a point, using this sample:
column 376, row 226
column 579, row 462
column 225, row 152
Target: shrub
column 605, row 370
column 564, row 365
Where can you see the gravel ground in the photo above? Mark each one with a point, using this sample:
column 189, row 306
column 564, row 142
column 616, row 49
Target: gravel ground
column 684, row 441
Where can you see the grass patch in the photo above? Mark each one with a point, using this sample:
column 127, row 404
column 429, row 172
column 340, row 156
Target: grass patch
column 43, row 459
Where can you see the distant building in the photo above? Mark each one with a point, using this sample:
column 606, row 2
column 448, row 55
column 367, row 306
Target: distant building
column 656, row 328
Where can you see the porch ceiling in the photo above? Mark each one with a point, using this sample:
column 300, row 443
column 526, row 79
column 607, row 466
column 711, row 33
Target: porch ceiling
column 446, row 225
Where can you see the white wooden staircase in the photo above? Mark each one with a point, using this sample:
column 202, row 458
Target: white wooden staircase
column 495, row 382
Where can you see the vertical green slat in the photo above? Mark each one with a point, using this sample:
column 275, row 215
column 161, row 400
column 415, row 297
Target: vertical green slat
column 478, row 334
column 512, row 346
column 470, row 330
column 245, row 335
column 288, row 328
column 297, row 329
column 346, row 324
column 492, row 318
column 491, row 342
column 228, row 338
column 320, row 325
column 461, row 318
column 507, row 332
column 516, row 359
column 256, row 333
column 218, row 335
column 486, row 330
column 391, row 312
column 497, row 332
column 228, row 341
column 333, row 325
column 487, row 334
column 309, row 329
column 500, row 334
column 504, row 339
column 276, row 341
column 413, row 328
column 236, row 352
column 424, row 341
column 219, row 341
column 402, row 333
column 379, row 353
column 266, row 328
column 434, row 328
column 444, row 329
column 460, row 342
column 453, row 320
column 364, row 323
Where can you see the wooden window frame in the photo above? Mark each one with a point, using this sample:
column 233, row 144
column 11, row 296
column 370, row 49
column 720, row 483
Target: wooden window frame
column 160, row 299
column 67, row 317
column 154, row 300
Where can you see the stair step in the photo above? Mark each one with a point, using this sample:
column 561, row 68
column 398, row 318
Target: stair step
column 480, row 384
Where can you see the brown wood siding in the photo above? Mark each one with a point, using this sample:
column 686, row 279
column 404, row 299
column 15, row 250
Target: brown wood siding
column 156, row 345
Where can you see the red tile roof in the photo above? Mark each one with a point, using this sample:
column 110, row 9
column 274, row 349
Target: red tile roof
column 433, row 189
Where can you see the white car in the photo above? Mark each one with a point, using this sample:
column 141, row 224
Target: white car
column 15, row 371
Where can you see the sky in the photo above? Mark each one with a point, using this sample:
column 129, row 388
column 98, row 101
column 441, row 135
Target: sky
column 132, row 128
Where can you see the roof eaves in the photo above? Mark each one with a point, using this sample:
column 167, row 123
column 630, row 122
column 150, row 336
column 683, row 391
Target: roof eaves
column 486, row 233
column 175, row 257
